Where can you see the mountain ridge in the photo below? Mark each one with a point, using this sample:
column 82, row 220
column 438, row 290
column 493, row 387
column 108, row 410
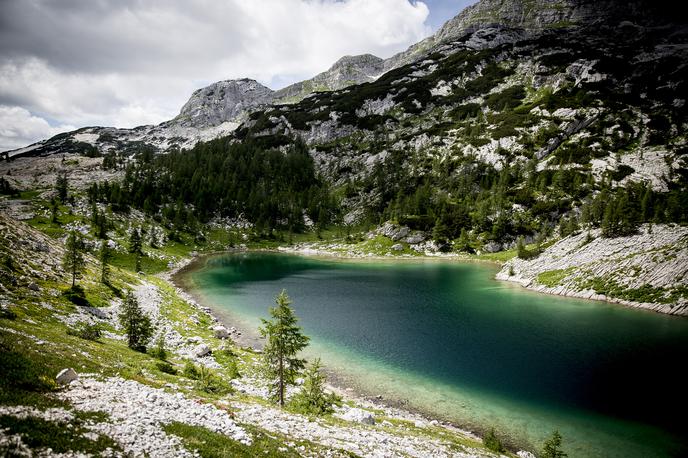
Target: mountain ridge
column 218, row 116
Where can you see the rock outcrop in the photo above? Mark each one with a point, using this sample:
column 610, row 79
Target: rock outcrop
column 224, row 101
column 647, row 270
column 66, row 376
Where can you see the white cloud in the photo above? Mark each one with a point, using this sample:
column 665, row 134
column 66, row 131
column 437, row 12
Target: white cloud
column 18, row 128
column 128, row 63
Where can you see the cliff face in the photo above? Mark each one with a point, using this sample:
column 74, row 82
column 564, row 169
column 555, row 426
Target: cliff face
column 525, row 18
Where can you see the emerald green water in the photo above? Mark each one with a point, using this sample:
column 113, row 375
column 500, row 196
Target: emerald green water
column 447, row 339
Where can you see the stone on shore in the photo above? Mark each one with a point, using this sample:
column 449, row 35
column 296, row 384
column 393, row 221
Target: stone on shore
column 221, row 332
column 66, row 376
column 202, row 350
column 524, row 454
column 359, row 416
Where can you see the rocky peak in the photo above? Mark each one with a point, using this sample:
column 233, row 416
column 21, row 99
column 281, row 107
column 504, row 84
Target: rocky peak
column 223, row 101
column 347, row 71
column 536, row 15
column 363, row 63
column 515, row 19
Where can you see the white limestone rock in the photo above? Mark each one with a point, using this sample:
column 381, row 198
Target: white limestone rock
column 357, row 415
column 221, row 332
column 202, row 350
column 66, row 376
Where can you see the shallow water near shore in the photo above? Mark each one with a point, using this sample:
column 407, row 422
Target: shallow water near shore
column 446, row 339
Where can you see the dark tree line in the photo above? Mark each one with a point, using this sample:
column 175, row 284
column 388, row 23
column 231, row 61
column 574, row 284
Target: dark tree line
column 270, row 187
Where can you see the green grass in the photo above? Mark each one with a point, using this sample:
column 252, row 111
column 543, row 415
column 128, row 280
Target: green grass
column 552, row 278
column 646, row 293
column 500, row 256
column 381, row 246
column 39, row 433
column 29, row 195
column 149, row 265
column 210, row 444
column 24, row 378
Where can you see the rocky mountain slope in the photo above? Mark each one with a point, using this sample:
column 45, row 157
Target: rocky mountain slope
column 347, row 71
column 216, row 110
column 594, row 98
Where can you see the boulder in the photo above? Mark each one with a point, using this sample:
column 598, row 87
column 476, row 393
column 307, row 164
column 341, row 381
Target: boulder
column 492, row 247
column 202, row 350
column 359, row 416
column 221, row 332
column 397, row 247
column 393, row 232
column 66, row 376
column 412, row 239
column 34, row 287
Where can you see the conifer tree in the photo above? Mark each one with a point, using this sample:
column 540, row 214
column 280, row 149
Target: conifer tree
column 135, row 246
column 62, row 187
column 464, row 242
column 284, row 342
column 521, row 251
column 73, row 260
column 552, row 447
column 136, row 324
column 53, row 211
column 312, row 399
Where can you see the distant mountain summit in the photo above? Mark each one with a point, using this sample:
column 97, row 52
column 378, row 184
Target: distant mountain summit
column 347, row 71
column 223, row 101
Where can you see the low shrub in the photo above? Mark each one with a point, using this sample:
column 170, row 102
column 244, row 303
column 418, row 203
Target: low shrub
column 76, row 295
column 7, row 313
column 190, row 370
column 313, row 399
column 158, row 351
column 167, row 368
column 210, row 382
column 492, row 442
column 84, row 330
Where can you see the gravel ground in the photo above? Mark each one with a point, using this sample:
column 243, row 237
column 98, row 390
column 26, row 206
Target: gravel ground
column 137, row 413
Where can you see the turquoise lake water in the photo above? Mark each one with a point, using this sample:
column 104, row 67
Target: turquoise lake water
column 446, row 339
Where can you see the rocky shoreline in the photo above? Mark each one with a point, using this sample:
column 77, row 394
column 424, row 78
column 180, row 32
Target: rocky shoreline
column 243, row 337
column 648, row 270
column 364, row 403
column 652, row 264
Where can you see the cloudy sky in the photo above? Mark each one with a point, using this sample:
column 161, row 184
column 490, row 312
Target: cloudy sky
column 72, row 63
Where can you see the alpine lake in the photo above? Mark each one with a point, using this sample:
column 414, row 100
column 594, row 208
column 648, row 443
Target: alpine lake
column 446, row 339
